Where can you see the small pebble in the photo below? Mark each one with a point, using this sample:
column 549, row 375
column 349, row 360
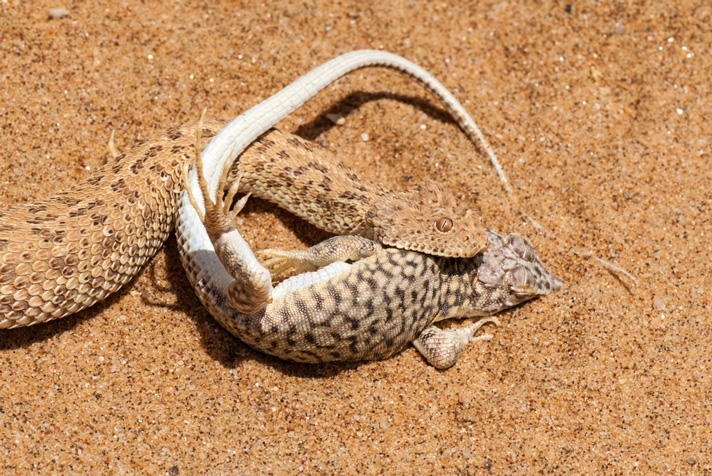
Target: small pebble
column 57, row 13
column 364, row 137
column 659, row 304
column 337, row 119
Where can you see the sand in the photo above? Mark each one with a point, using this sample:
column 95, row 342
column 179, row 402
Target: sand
column 599, row 114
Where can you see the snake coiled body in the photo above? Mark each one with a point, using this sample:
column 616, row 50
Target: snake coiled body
column 63, row 254
column 66, row 253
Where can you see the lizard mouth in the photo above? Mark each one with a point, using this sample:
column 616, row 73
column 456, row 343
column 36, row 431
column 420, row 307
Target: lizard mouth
column 511, row 261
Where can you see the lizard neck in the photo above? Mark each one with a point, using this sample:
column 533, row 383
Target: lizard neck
column 460, row 293
column 507, row 273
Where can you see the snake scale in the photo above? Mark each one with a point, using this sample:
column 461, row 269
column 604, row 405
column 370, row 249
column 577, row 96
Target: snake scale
column 63, row 254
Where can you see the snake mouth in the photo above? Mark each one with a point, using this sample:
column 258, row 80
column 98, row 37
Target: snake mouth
column 428, row 249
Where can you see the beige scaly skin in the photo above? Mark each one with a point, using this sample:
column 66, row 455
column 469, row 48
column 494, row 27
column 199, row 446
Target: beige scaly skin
column 66, row 253
column 63, row 254
column 305, row 179
column 366, row 311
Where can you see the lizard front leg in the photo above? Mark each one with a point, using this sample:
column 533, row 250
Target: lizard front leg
column 441, row 348
column 338, row 248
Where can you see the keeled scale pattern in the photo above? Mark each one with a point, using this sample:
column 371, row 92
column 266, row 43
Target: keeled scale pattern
column 63, row 254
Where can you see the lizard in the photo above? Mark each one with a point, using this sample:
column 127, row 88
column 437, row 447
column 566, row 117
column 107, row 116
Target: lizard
column 63, row 254
column 367, row 310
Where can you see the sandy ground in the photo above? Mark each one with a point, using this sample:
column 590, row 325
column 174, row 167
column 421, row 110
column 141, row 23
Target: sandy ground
column 600, row 116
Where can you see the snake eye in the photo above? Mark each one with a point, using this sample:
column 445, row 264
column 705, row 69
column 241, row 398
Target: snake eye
column 443, row 225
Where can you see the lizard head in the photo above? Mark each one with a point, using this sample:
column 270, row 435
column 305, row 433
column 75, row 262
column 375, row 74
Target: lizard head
column 510, row 264
column 427, row 219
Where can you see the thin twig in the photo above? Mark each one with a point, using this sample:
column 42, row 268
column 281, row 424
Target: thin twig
column 112, row 147
column 617, row 271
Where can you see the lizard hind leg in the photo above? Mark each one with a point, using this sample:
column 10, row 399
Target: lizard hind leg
column 251, row 288
column 441, row 348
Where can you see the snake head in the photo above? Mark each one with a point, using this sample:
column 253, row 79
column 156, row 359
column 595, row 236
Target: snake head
column 427, row 219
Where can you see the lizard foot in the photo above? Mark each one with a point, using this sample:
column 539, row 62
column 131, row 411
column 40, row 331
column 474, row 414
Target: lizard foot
column 441, row 348
column 217, row 218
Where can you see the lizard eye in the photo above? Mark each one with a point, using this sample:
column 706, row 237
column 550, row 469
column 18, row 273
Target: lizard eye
column 443, row 225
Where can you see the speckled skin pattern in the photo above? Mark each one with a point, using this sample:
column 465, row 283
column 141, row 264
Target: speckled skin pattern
column 65, row 253
column 384, row 302
column 368, row 310
column 308, row 181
